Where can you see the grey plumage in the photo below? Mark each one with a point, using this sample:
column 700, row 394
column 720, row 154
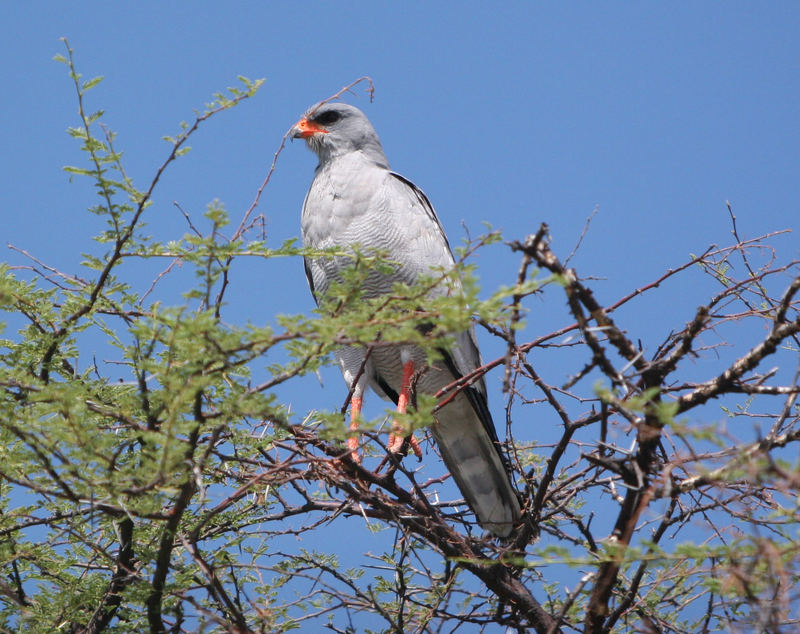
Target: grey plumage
column 356, row 199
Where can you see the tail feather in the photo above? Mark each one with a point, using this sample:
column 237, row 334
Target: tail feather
column 477, row 466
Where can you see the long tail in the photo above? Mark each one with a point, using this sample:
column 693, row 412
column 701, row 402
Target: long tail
column 470, row 452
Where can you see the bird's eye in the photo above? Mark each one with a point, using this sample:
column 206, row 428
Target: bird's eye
column 327, row 118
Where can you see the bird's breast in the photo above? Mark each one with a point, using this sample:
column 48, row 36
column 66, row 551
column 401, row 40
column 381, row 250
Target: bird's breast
column 344, row 208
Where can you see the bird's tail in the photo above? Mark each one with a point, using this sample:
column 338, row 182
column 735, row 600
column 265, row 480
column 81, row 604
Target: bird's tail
column 473, row 458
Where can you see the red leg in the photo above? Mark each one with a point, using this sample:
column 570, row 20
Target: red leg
column 395, row 438
column 352, row 441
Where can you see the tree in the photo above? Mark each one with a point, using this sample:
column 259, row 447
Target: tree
column 660, row 495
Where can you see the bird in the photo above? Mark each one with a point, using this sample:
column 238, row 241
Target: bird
column 356, row 199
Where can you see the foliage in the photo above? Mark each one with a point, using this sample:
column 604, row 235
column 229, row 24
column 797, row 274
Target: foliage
column 189, row 497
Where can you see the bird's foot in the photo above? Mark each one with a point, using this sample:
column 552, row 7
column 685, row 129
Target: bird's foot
column 352, row 442
column 397, row 442
column 352, row 446
column 397, row 438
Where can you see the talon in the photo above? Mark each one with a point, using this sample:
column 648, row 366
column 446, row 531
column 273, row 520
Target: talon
column 396, row 442
column 412, row 440
column 396, row 438
column 352, row 445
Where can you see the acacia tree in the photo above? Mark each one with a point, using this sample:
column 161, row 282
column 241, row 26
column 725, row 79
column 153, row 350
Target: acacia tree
column 659, row 495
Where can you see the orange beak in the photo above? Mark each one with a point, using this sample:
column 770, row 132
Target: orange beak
column 305, row 128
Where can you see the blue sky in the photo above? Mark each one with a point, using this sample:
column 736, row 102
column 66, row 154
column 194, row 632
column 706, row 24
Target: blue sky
column 653, row 114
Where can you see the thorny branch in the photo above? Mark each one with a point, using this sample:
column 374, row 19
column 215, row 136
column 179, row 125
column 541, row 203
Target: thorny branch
column 276, row 492
column 639, row 469
column 618, row 446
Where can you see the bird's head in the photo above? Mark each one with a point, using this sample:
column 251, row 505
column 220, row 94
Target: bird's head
column 333, row 129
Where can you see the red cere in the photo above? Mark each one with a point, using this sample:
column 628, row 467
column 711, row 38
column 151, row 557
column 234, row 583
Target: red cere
column 309, row 128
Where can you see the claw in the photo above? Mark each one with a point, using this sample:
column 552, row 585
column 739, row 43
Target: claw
column 396, row 439
column 396, row 444
column 412, row 440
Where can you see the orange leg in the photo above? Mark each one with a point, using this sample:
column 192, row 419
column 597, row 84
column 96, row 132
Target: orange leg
column 352, row 441
column 395, row 438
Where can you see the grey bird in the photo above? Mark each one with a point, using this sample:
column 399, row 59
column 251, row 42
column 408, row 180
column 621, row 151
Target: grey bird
column 355, row 199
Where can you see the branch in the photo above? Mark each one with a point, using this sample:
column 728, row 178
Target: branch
column 726, row 381
column 124, row 574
